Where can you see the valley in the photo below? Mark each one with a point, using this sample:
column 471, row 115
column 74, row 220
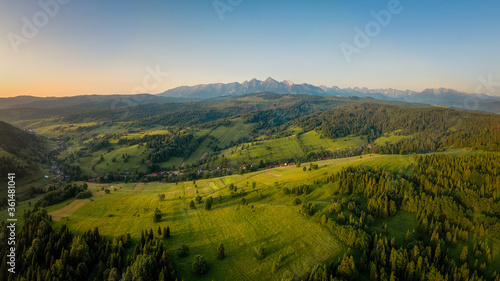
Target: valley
column 294, row 187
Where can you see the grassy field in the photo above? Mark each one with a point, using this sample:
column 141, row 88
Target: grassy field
column 282, row 148
column 234, row 132
column 269, row 220
column 53, row 128
column 202, row 150
column 313, row 141
column 121, row 165
column 390, row 138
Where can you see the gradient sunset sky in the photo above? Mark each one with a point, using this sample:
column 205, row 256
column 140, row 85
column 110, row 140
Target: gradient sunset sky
column 105, row 47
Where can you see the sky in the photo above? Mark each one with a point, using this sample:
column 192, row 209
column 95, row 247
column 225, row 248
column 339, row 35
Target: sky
column 75, row 47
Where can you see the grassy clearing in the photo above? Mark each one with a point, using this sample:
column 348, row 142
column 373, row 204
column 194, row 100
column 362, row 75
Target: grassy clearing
column 390, row 138
column 68, row 209
column 314, row 141
column 233, row 133
column 282, row 149
column 119, row 165
column 397, row 225
column 199, row 152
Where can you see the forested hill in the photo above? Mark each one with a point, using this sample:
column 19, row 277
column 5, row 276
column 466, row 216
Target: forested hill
column 21, row 152
column 199, row 112
column 435, row 126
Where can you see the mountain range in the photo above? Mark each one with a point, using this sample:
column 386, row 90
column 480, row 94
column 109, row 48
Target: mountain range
column 29, row 107
column 441, row 96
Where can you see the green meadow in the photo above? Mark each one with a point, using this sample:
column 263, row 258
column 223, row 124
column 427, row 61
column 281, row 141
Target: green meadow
column 280, row 149
column 268, row 219
column 390, row 138
column 314, row 141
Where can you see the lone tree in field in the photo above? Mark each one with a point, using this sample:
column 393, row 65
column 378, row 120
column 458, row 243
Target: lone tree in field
column 200, row 265
column 192, row 205
column 208, row 203
column 259, row 252
column 183, row 251
column 161, row 197
column 166, row 232
column 157, row 216
column 159, row 230
column 221, row 253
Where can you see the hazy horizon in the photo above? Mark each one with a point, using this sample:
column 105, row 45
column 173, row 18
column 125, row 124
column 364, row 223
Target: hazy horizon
column 57, row 48
column 193, row 85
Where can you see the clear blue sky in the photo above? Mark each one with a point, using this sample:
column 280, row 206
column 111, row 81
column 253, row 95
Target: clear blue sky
column 105, row 46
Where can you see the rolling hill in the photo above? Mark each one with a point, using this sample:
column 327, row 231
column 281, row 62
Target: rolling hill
column 22, row 153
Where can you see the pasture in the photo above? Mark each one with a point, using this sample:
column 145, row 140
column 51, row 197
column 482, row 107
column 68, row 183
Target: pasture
column 268, row 219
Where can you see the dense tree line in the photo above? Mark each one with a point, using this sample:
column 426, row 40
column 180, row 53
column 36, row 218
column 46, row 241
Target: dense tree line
column 166, row 146
column 432, row 128
column 47, row 253
column 371, row 120
column 452, row 198
column 187, row 118
column 54, row 195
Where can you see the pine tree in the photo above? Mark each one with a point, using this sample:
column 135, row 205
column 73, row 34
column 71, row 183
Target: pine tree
column 221, row 253
column 463, row 255
column 167, row 232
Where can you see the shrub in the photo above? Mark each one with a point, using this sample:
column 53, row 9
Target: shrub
column 200, row 265
column 259, row 252
column 369, row 220
column 297, row 201
column 281, row 258
column 274, row 268
column 308, row 209
column 84, row 194
column 351, row 206
column 208, row 203
column 335, row 208
column 183, row 251
column 221, row 252
column 161, row 197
